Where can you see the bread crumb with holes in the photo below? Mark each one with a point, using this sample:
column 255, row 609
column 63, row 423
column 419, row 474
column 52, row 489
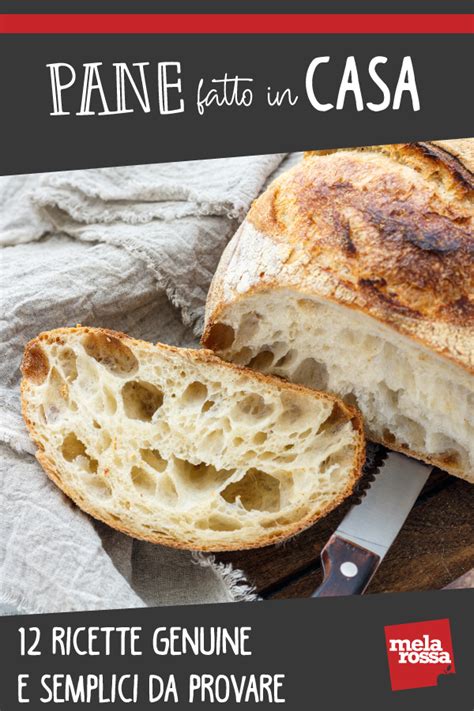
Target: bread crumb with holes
column 177, row 447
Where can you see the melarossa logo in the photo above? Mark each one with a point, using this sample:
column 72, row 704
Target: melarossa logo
column 418, row 653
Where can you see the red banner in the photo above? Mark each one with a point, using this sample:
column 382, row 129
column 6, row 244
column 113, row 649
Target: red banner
column 235, row 24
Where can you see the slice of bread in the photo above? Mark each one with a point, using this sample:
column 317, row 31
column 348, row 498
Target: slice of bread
column 178, row 447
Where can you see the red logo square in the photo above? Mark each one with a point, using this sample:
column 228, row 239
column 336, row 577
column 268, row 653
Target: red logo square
column 418, row 653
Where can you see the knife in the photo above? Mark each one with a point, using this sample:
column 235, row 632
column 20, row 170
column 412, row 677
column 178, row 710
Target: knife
column 360, row 543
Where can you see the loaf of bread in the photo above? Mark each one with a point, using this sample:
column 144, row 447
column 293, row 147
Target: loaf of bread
column 354, row 273
column 178, row 447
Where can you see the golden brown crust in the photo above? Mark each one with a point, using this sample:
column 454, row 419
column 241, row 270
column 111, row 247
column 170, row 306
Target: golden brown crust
column 460, row 148
column 35, row 364
column 449, row 162
column 31, row 374
column 446, row 463
column 396, row 240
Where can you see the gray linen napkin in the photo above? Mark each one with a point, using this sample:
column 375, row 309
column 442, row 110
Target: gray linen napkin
column 132, row 249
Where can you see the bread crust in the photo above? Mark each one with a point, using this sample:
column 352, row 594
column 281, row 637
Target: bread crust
column 33, row 372
column 384, row 230
column 352, row 227
column 449, row 162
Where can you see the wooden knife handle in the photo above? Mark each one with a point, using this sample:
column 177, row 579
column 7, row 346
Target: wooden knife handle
column 348, row 568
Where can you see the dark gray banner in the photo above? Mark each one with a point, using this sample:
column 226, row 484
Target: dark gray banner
column 102, row 121
column 302, row 654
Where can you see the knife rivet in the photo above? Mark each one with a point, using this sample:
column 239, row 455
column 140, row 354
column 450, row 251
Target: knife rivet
column 349, row 569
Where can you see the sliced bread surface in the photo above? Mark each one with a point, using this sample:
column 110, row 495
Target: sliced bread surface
column 177, row 447
column 412, row 400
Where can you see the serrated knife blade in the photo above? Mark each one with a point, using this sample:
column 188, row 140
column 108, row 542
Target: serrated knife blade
column 361, row 541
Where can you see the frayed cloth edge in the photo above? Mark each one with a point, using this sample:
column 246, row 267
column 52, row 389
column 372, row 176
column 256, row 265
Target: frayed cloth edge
column 233, row 579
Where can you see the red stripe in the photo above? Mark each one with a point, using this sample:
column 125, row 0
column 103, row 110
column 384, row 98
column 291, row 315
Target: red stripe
column 234, row 24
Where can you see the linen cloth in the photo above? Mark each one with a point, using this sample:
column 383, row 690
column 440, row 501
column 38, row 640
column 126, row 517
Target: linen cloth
column 132, row 249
